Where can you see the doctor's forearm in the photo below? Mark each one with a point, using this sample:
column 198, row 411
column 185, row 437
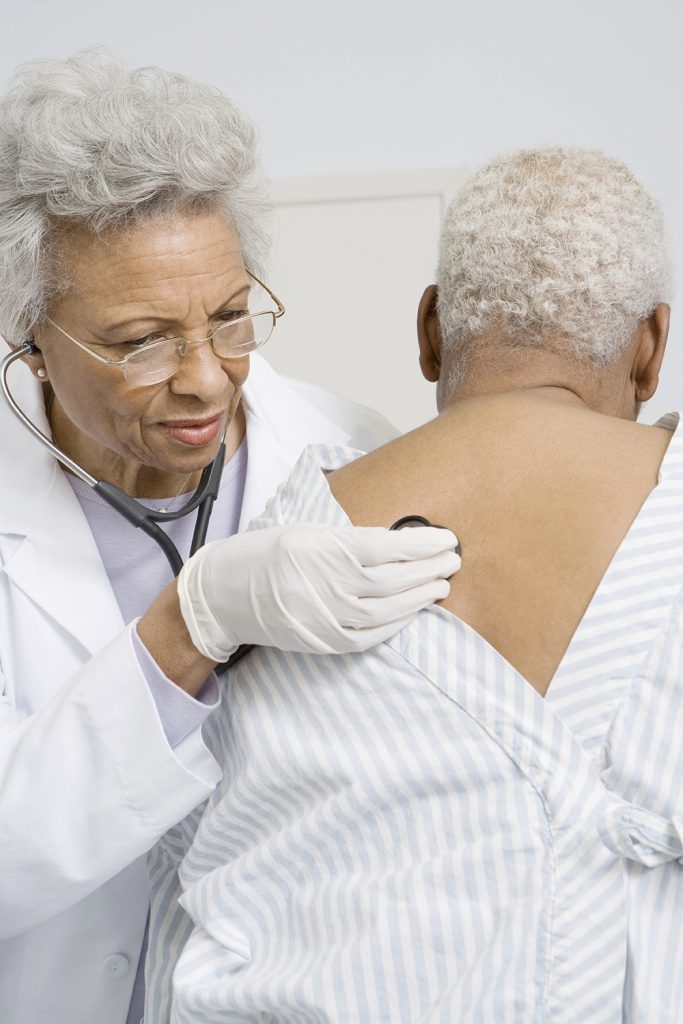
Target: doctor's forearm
column 163, row 631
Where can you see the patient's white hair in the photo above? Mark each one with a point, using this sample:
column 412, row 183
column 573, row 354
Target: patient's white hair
column 556, row 248
column 87, row 141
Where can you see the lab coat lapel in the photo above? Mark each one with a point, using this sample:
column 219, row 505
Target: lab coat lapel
column 45, row 536
column 279, row 426
column 58, row 566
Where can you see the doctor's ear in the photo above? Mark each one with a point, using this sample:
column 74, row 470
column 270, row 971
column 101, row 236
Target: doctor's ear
column 33, row 358
column 429, row 334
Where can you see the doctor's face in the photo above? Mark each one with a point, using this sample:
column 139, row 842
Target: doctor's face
column 177, row 277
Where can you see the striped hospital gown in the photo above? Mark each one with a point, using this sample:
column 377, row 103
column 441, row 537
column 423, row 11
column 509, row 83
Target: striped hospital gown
column 415, row 835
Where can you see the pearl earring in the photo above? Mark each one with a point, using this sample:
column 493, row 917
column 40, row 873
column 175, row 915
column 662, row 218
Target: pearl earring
column 42, row 373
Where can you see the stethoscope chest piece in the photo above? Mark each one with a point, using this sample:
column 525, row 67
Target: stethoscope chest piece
column 407, row 522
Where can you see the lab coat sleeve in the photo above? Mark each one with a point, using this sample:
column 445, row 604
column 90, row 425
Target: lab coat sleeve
column 180, row 714
column 88, row 784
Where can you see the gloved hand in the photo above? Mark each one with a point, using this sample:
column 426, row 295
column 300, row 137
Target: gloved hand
column 319, row 589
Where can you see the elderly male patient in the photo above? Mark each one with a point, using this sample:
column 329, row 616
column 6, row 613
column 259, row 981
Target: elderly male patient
column 479, row 820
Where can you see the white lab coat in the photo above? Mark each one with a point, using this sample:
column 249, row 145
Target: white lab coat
column 88, row 781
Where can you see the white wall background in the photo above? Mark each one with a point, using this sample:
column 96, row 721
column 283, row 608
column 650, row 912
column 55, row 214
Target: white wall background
column 374, row 85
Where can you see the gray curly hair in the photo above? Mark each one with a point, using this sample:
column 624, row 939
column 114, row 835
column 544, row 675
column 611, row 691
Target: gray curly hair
column 87, row 141
column 556, row 248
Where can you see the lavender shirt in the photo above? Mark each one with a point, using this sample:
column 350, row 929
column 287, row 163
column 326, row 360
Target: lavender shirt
column 138, row 572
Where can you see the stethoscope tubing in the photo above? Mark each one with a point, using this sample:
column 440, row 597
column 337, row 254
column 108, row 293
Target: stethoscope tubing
column 145, row 519
column 28, row 349
column 138, row 515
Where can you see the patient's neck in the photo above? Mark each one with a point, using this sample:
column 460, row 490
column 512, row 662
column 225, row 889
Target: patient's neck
column 496, row 368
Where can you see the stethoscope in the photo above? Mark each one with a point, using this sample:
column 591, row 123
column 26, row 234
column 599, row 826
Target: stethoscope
column 148, row 519
column 405, row 522
column 143, row 518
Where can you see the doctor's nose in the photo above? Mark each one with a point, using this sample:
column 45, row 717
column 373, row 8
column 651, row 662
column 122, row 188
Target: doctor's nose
column 203, row 374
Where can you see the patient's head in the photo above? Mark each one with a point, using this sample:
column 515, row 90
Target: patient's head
column 553, row 253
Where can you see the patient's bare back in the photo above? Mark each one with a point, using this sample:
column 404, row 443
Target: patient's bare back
column 540, row 491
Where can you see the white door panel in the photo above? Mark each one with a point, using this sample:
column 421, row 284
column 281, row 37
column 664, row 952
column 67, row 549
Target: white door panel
column 352, row 256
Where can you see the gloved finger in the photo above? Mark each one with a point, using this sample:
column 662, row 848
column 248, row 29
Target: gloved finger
column 367, row 612
column 356, row 640
column 374, row 545
column 395, row 577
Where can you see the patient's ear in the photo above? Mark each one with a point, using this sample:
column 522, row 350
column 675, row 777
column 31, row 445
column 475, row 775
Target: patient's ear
column 429, row 334
column 651, row 345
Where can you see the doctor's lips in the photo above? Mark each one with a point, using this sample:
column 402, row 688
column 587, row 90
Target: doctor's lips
column 194, row 432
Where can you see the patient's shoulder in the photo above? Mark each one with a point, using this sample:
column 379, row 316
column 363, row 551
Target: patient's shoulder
column 498, row 447
column 540, row 497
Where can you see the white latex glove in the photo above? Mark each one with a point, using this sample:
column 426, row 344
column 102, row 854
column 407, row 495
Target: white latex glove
column 319, row 589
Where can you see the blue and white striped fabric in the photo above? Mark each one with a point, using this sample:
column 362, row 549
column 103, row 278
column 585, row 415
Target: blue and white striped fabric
column 415, row 835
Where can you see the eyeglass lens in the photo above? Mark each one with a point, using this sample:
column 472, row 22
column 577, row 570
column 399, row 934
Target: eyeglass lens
column 161, row 360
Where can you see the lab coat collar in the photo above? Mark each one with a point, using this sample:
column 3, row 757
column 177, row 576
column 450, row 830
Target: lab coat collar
column 279, row 426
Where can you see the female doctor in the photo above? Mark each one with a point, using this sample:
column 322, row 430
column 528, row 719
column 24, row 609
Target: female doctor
column 131, row 247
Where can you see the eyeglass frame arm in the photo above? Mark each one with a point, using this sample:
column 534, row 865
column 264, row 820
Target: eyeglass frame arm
column 276, row 314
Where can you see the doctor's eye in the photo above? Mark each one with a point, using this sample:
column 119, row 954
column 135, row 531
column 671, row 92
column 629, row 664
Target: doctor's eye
column 149, row 339
column 228, row 315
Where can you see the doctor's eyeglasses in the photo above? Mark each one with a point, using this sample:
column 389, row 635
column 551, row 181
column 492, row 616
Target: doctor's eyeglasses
column 154, row 361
